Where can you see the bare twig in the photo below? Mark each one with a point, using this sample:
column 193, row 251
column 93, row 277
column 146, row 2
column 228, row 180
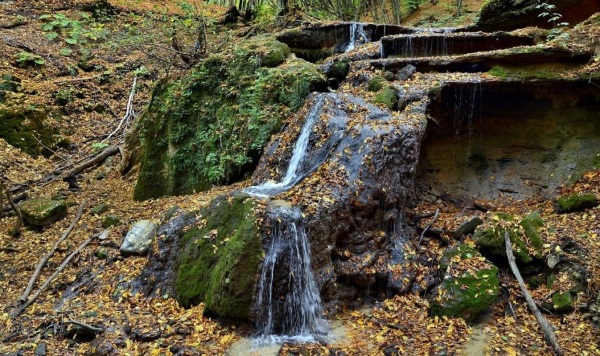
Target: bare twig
column 84, row 325
column 129, row 113
column 544, row 324
column 8, row 249
column 22, row 308
column 437, row 212
column 15, row 230
column 46, row 257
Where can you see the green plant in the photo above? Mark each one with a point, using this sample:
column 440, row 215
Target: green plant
column 72, row 31
column 99, row 146
column 26, row 58
column 548, row 12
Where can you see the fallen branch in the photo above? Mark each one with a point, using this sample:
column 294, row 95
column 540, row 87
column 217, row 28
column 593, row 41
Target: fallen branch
column 544, row 324
column 46, row 257
column 97, row 159
column 437, row 212
column 129, row 113
column 15, row 230
column 22, row 308
column 8, row 249
column 86, row 326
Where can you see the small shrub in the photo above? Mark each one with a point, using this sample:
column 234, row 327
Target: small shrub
column 25, row 59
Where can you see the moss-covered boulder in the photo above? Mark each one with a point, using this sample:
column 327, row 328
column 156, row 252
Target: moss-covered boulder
column 219, row 261
column 575, row 202
column 469, row 287
column 110, row 221
column 26, row 127
column 562, row 302
column 40, row 212
column 387, row 97
column 210, row 126
column 525, row 236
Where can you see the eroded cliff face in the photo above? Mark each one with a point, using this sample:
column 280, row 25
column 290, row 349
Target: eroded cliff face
column 518, row 139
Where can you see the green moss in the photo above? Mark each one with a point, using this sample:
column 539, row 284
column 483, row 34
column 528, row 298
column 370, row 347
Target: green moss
column 210, row 127
column 110, row 221
column 470, row 293
column 576, row 202
column 387, row 97
column 40, row 212
column 491, row 238
column 24, row 126
column 562, row 302
column 219, row 262
column 536, row 71
column 376, row 83
column 100, row 209
column 339, row 70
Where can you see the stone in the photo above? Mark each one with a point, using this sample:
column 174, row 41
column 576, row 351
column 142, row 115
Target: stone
column 110, row 221
column 465, row 292
column 562, row 302
column 41, row 212
column 490, row 238
column 467, row 227
column 575, row 202
column 139, row 238
column 40, row 349
column 406, row 73
column 177, row 224
column 99, row 209
column 218, row 263
column 103, row 347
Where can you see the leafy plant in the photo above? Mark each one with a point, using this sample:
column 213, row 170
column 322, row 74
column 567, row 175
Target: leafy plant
column 553, row 16
column 26, row 58
column 99, row 146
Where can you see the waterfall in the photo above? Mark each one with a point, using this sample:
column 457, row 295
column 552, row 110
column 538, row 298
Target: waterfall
column 357, row 36
column 289, row 310
column 294, row 173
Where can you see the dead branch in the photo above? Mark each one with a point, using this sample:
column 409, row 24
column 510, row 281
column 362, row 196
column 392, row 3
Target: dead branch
column 129, row 113
column 86, row 326
column 16, row 199
column 22, row 308
column 437, row 212
column 70, row 169
column 8, row 249
column 71, row 80
column 15, row 230
column 544, row 324
column 46, row 257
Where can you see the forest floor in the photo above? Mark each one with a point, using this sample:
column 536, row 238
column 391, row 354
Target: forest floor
column 88, row 82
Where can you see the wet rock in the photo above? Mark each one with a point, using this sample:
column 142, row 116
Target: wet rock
column 40, row 212
column 490, row 238
column 467, row 227
column 138, row 239
column 146, row 335
column 469, row 287
column 80, row 333
column 575, row 202
column 176, row 225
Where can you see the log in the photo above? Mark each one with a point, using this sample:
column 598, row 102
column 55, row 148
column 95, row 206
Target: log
column 544, row 324
column 47, row 256
column 22, row 308
column 97, row 159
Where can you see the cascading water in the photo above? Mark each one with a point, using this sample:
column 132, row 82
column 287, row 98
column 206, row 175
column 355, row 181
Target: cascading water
column 294, row 173
column 357, row 36
column 290, row 310
column 288, row 303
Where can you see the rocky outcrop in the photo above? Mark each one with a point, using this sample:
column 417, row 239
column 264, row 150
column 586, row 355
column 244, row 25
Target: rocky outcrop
column 508, row 15
column 218, row 261
column 41, row 212
column 210, row 126
column 469, row 287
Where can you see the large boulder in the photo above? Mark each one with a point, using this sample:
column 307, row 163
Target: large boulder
column 40, row 212
column 218, row 262
column 525, row 236
column 503, row 15
column 210, row 126
column 139, row 238
column 469, row 287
